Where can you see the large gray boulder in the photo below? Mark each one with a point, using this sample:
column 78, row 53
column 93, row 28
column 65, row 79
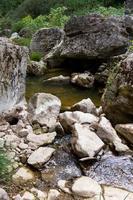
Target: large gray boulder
column 117, row 100
column 13, row 64
column 45, row 39
column 91, row 37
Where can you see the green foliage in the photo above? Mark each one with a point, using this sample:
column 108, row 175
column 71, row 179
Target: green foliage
column 109, row 11
column 4, row 164
column 36, row 56
column 56, row 18
column 22, row 41
column 130, row 49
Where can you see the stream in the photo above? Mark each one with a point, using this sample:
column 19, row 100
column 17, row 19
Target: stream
column 68, row 94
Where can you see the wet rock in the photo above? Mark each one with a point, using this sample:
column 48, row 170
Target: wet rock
column 62, row 166
column 112, row 170
column 117, row 101
column 40, row 156
column 44, row 108
column 68, row 119
column 86, row 187
column 13, row 61
column 107, row 133
column 125, row 130
column 3, row 195
column 85, row 142
column 86, row 106
column 58, row 79
column 36, row 68
column 85, row 79
column 41, row 139
column 23, row 176
column 45, row 39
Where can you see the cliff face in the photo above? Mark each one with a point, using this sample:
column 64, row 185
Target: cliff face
column 13, row 64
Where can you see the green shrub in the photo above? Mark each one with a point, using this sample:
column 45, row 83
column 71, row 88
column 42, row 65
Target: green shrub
column 22, row 41
column 56, row 18
column 109, row 11
column 36, row 56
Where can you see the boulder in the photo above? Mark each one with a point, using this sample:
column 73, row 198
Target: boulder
column 86, row 187
column 85, row 142
column 108, row 134
column 117, row 100
column 129, row 7
column 68, row 119
column 85, row 79
column 36, row 68
column 86, row 106
column 125, row 130
column 40, row 156
column 91, row 37
column 13, row 64
column 44, row 108
column 45, row 39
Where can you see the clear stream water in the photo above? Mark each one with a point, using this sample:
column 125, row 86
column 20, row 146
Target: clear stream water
column 68, row 93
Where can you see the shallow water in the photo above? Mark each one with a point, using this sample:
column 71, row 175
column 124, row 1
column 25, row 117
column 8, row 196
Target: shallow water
column 68, row 94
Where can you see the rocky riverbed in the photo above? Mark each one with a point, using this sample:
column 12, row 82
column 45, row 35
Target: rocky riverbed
column 83, row 149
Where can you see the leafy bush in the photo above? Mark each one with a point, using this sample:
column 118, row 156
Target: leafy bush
column 36, row 56
column 110, row 11
column 22, row 41
column 56, row 18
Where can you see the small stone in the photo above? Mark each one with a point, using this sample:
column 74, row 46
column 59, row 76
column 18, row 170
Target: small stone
column 2, row 142
column 86, row 187
column 41, row 139
column 23, row 133
column 62, row 186
column 39, row 194
column 86, row 106
column 3, row 195
column 23, row 146
column 2, row 134
column 23, row 175
column 53, row 194
column 28, row 196
column 40, row 156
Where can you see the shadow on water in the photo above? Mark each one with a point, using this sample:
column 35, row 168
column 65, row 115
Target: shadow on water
column 67, row 93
